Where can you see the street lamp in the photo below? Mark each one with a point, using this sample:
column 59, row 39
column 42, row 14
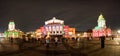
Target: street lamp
column 78, row 34
column 118, row 31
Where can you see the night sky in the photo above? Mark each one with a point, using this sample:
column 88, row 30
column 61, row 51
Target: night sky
column 83, row 15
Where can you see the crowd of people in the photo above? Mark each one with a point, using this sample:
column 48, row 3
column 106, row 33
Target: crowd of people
column 47, row 41
column 55, row 41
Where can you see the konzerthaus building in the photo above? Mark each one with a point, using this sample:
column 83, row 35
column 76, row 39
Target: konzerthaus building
column 55, row 27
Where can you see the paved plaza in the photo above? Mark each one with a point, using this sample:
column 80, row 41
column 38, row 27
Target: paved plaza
column 82, row 48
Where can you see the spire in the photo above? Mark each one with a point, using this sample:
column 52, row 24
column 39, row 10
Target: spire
column 101, row 21
column 101, row 17
column 11, row 25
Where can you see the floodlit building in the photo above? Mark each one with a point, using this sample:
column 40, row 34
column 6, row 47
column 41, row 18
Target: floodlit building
column 31, row 34
column 12, row 32
column 101, row 29
column 55, row 27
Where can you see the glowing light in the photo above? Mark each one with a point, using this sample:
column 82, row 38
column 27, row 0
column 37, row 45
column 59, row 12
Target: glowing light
column 100, row 29
column 78, row 35
column 46, row 28
column 61, row 28
column 85, row 34
column 57, row 28
column 118, row 31
column 54, row 20
column 11, row 26
column 1, row 34
column 49, row 28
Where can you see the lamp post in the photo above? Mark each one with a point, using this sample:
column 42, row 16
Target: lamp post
column 118, row 31
column 78, row 35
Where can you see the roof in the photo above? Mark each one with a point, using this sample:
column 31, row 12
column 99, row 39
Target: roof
column 54, row 20
column 101, row 17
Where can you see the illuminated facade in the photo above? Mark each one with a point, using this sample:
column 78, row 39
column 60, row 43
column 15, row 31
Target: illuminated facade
column 11, row 26
column 38, row 33
column 31, row 34
column 55, row 27
column 101, row 29
column 12, row 32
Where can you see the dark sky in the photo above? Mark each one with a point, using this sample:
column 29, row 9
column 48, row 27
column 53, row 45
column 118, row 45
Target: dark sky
column 30, row 15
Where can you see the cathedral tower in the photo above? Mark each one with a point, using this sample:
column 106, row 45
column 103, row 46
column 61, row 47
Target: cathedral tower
column 101, row 21
column 11, row 25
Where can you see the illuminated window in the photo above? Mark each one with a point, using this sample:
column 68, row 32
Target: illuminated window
column 49, row 28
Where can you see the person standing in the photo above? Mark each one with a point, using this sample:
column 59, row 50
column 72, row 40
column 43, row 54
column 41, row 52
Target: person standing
column 47, row 42
column 20, row 43
column 102, row 41
column 56, row 41
column 11, row 40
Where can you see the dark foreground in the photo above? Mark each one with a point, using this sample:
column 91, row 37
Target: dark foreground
column 80, row 48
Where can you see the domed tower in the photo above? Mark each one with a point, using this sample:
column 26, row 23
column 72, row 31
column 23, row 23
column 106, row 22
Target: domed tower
column 11, row 25
column 101, row 29
column 11, row 32
column 101, row 21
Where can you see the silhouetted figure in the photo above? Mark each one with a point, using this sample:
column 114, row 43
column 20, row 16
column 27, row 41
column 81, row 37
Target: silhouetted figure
column 20, row 43
column 24, row 39
column 112, row 37
column 63, row 40
column 11, row 40
column 88, row 38
column 102, row 41
column 47, row 43
column 56, row 41
column 39, row 40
